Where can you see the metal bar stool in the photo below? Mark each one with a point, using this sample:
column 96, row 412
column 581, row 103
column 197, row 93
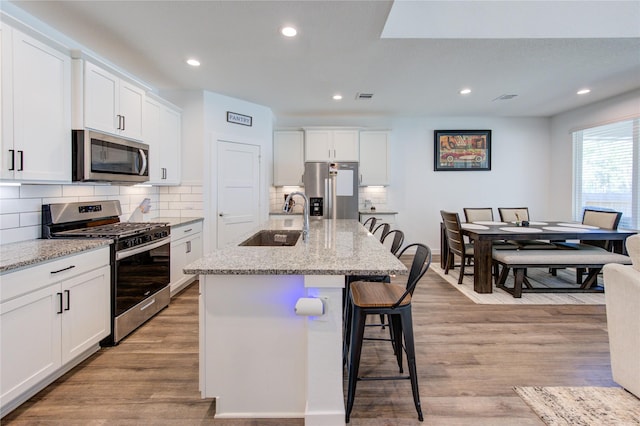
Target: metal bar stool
column 393, row 300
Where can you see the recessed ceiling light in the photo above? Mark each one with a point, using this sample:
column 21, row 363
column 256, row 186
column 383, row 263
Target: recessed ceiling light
column 583, row 91
column 289, row 31
column 465, row 91
column 193, row 62
column 337, row 97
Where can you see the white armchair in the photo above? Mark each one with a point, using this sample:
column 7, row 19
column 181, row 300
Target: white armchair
column 622, row 295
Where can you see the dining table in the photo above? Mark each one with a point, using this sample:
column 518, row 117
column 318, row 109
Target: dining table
column 483, row 233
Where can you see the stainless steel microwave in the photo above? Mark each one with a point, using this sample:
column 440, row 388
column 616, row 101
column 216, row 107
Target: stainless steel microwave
column 98, row 157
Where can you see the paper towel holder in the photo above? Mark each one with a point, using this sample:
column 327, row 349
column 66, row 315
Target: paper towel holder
column 311, row 306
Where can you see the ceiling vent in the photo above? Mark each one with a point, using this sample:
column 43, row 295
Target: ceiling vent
column 364, row 96
column 504, row 97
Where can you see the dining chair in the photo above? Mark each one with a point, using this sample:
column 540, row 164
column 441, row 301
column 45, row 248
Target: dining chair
column 381, row 230
column 474, row 214
column 370, row 223
column 394, row 301
column 518, row 214
column 513, row 214
column 455, row 240
column 604, row 220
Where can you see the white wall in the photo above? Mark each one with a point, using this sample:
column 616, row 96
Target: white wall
column 519, row 174
column 204, row 117
column 561, row 162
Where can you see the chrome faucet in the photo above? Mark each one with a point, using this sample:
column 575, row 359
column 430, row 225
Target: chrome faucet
column 287, row 209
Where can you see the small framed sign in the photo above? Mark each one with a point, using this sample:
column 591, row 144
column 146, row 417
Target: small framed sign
column 462, row 150
column 234, row 117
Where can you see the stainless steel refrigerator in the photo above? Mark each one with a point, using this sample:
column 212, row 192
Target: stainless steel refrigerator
column 332, row 189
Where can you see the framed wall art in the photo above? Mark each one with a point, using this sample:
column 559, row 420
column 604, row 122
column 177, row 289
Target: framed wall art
column 462, row 150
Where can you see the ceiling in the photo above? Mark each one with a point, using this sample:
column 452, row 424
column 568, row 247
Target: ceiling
column 344, row 47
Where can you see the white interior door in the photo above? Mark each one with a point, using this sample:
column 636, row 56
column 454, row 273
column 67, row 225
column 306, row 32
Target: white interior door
column 238, row 189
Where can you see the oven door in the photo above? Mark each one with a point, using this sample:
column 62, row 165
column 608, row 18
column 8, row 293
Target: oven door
column 140, row 273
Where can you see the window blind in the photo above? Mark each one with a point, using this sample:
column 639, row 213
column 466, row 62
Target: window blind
column 606, row 175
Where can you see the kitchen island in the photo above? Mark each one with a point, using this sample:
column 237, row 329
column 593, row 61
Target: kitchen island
column 257, row 357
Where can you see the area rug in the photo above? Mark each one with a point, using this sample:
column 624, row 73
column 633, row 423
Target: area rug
column 539, row 276
column 582, row 406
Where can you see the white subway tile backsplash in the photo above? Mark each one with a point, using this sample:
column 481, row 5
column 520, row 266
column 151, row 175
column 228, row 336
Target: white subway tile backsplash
column 20, row 208
column 104, row 190
column 11, row 220
column 9, row 192
column 170, row 197
column 19, row 234
column 30, row 219
column 180, row 189
column 191, row 197
column 40, row 191
column 77, row 190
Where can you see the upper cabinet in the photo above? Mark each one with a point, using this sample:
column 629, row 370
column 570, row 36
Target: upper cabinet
column 331, row 145
column 161, row 129
column 36, row 109
column 288, row 157
column 107, row 103
column 374, row 158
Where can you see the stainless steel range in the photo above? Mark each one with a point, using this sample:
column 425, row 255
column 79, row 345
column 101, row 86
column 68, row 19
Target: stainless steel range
column 140, row 258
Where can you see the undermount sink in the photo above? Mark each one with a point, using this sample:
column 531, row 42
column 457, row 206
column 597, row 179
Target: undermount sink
column 270, row 238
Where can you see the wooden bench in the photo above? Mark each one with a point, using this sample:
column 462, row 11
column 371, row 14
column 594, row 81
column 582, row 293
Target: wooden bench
column 582, row 256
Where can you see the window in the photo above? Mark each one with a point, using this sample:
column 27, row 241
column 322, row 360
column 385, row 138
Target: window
column 606, row 165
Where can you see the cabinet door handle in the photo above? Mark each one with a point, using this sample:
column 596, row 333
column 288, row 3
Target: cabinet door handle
column 124, row 122
column 68, row 294
column 59, row 303
column 21, row 153
column 12, row 153
column 334, row 153
column 164, row 173
column 329, row 153
column 360, row 177
column 188, row 246
column 63, row 269
column 119, row 121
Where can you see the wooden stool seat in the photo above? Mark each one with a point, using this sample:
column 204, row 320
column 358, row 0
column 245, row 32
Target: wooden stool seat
column 377, row 295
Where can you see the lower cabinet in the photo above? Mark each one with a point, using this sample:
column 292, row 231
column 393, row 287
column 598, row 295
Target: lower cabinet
column 52, row 316
column 186, row 247
column 381, row 217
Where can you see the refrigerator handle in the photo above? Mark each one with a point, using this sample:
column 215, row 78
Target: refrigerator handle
column 328, row 198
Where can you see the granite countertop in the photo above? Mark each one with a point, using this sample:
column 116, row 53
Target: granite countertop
column 335, row 247
column 176, row 221
column 25, row 253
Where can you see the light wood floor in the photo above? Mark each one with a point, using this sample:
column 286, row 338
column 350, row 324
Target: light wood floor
column 469, row 359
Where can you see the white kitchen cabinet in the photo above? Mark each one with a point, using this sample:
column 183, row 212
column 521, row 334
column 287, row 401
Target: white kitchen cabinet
column 331, row 145
column 374, row 158
column 186, row 247
column 381, row 217
column 288, row 157
column 106, row 102
column 52, row 316
column 161, row 129
column 36, row 109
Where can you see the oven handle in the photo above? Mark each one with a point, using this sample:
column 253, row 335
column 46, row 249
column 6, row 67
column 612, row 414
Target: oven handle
column 123, row 254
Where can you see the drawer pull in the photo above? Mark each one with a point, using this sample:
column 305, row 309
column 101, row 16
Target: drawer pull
column 188, row 230
column 63, row 269
column 68, row 294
